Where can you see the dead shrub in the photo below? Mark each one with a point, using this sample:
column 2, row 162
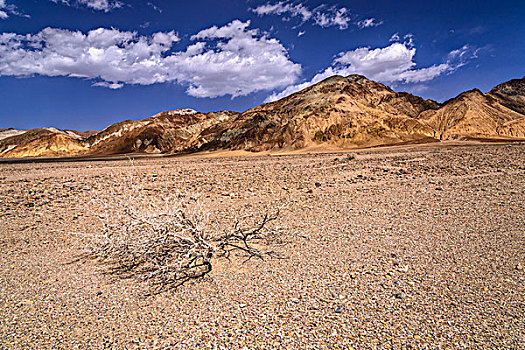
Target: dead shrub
column 168, row 240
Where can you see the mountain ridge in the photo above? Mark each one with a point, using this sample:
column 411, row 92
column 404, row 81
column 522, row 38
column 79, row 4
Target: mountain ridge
column 342, row 112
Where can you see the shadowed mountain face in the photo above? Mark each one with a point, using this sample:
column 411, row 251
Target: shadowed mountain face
column 339, row 112
column 511, row 94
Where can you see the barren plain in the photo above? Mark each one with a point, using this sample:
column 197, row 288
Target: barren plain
column 401, row 248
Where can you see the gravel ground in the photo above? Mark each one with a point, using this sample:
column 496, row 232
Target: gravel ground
column 396, row 249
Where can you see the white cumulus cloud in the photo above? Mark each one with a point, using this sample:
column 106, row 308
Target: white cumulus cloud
column 393, row 63
column 229, row 60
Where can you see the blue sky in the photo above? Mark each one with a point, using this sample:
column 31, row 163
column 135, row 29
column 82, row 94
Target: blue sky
column 85, row 64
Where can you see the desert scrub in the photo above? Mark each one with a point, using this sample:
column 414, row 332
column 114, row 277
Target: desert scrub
column 168, row 239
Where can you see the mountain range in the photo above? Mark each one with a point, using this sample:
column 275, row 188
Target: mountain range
column 344, row 112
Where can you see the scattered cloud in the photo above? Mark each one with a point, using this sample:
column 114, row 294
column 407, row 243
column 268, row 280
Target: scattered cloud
column 395, row 37
column 284, row 8
column 408, row 39
column 331, row 17
column 323, row 15
column 369, row 22
column 97, row 5
column 390, row 64
column 155, row 7
column 7, row 10
column 464, row 55
column 230, row 60
column 3, row 14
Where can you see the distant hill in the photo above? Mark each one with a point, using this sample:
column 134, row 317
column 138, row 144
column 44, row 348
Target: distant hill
column 45, row 142
column 473, row 114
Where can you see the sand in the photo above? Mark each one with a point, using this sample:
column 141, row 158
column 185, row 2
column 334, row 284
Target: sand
column 419, row 247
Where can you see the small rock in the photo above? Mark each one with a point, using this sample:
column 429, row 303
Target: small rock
column 519, row 267
column 400, row 296
column 339, row 309
column 317, row 184
column 295, row 300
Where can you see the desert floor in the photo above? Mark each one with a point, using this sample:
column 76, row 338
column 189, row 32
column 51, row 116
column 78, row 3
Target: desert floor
column 399, row 248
